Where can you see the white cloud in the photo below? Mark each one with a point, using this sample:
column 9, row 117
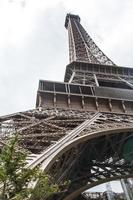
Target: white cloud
column 17, row 20
column 26, row 51
column 115, row 186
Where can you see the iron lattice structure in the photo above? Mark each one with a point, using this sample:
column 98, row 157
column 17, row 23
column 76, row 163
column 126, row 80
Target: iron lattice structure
column 79, row 128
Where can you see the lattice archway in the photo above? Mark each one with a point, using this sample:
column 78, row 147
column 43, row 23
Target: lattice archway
column 92, row 159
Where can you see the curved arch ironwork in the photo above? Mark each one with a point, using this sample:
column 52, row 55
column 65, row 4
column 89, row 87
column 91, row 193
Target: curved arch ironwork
column 110, row 165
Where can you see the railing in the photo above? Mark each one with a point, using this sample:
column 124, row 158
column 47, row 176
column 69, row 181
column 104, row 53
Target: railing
column 85, row 90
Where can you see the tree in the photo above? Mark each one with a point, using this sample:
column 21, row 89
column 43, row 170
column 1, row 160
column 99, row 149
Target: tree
column 39, row 193
column 15, row 177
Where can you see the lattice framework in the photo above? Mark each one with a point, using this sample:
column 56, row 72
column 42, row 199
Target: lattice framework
column 78, row 129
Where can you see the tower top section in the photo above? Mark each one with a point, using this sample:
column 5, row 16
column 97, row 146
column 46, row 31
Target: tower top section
column 92, row 81
column 75, row 17
column 81, row 46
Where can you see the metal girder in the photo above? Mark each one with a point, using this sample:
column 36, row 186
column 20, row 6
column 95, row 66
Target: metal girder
column 79, row 127
column 71, row 126
column 81, row 47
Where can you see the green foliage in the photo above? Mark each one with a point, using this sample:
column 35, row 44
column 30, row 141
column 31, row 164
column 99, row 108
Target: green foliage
column 45, row 181
column 15, row 177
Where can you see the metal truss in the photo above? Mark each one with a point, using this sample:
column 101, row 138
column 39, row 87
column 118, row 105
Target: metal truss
column 97, row 160
column 81, row 47
column 79, row 127
column 83, row 148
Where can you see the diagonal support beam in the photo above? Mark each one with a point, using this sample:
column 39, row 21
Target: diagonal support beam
column 53, row 126
column 125, row 81
column 53, row 150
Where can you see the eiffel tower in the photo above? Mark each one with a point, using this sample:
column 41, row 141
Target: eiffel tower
column 81, row 129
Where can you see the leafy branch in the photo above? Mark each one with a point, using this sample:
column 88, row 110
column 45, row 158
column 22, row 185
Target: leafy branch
column 15, row 177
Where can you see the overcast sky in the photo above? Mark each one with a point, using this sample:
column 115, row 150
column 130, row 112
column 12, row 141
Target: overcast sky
column 34, row 43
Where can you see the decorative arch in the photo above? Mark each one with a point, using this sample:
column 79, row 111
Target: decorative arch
column 84, row 138
column 99, row 170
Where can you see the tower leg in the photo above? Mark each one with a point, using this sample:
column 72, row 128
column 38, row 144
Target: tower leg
column 110, row 193
column 126, row 188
